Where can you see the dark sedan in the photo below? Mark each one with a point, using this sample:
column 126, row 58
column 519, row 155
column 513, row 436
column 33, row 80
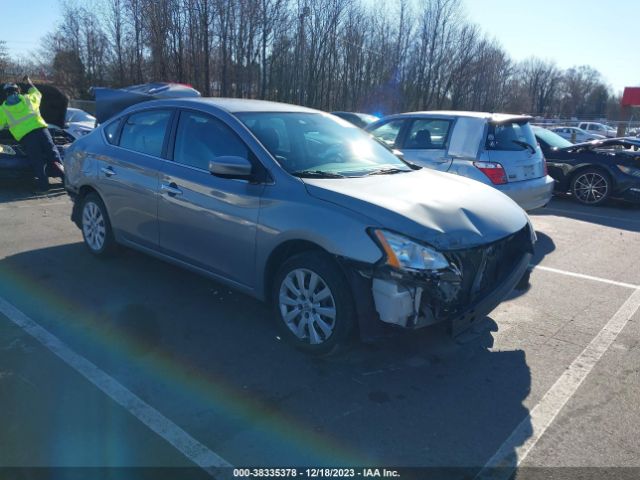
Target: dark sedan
column 14, row 163
column 595, row 171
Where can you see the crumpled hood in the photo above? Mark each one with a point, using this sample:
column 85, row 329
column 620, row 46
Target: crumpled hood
column 444, row 210
column 626, row 142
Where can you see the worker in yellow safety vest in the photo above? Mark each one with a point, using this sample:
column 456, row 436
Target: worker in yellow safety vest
column 21, row 113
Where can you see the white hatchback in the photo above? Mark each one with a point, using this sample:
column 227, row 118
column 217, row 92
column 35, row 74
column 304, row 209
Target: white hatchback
column 497, row 149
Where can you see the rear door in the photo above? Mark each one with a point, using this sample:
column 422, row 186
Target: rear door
column 425, row 143
column 513, row 145
column 128, row 175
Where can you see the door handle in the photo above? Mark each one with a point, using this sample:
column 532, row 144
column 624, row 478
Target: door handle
column 171, row 189
column 108, row 171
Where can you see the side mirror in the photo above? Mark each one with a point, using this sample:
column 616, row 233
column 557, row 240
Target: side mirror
column 228, row 166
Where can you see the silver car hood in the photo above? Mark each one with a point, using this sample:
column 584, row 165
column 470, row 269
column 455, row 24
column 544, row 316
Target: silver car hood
column 444, row 210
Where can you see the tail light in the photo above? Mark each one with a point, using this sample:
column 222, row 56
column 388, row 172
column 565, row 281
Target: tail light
column 493, row 171
column 544, row 165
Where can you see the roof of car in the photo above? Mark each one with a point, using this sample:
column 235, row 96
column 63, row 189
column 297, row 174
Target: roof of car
column 235, row 105
column 494, row 117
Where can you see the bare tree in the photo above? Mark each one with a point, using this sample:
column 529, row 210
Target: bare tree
column 329, row 54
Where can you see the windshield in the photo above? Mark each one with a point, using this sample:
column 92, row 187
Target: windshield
column 510, row 136
column 552, row 139
column 320, row 145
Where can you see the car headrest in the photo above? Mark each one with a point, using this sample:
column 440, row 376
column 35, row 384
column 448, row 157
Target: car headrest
column 423, row 139
column 268, row 136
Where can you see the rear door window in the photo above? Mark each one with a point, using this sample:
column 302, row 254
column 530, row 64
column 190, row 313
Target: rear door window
column 510, row 136
column 145, row 132
column 428, row 134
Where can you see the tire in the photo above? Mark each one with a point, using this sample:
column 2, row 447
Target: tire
column 591, row 186
column 96, row 227
column 320, row 317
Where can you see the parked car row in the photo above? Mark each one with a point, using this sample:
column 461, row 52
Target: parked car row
column 598, row 128
column 413, row 219
column 496, row 149
column 505, row 151
column 576, row 135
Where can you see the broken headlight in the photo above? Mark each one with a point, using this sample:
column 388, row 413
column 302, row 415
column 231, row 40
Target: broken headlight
column 7, row 150
column 405, row 254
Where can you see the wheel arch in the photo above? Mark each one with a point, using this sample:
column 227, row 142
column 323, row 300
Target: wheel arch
column 279, row 255
column 83, row 191
column 591, row 166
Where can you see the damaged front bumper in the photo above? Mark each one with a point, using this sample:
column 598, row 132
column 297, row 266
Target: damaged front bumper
column 475, row 283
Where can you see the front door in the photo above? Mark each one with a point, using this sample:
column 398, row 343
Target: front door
column 208, row 221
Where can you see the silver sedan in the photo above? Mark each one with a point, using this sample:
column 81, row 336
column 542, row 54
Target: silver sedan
column 301, row 209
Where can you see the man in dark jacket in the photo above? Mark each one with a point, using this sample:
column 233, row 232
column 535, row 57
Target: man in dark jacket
column 21, row 113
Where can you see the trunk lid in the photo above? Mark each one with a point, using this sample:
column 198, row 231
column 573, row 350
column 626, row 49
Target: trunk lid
column 110, row 101
column 512, row 144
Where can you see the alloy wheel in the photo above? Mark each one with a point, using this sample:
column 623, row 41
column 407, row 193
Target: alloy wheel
column 307, row 306
column 591, row 187
column 93, row 226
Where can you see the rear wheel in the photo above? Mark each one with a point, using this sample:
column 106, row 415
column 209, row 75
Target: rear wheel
column 313, row 303
column 95, row 225
column 591, row 186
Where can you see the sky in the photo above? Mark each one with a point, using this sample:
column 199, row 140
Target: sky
column 599, row 33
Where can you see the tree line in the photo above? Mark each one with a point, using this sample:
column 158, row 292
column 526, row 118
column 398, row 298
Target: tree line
column 355, row 55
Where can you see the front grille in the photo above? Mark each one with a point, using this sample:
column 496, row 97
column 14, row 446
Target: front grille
column 483, row 268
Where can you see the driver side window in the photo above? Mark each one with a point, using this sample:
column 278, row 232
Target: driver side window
column 201, row 138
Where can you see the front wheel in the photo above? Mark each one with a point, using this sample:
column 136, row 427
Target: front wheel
column 95, row 225
column 591, row 186
column 313, row 303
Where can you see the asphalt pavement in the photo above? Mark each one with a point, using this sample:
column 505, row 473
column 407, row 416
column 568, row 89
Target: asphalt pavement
column 137, row 363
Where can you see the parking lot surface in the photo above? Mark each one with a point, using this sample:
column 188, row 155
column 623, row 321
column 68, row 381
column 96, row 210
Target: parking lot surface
column 135, row 362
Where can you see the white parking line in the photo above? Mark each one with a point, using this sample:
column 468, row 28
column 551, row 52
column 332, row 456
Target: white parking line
column 172, row 433
column 585, row 277
column 516, row 448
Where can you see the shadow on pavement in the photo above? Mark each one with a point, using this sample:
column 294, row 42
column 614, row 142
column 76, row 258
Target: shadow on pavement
column 544, row 246
column 21, row 189
column 209, row 358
